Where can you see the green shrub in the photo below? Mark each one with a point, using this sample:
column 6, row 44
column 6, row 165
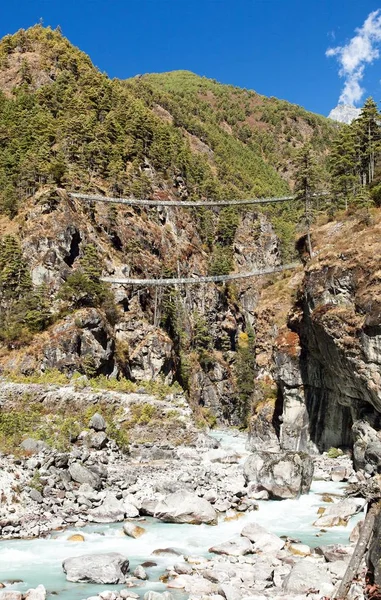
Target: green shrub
column 334, row 453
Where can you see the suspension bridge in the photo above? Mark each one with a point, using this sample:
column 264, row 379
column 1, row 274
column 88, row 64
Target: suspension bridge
column 196, row 280
column 181, row 203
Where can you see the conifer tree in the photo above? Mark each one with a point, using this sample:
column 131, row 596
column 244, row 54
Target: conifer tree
column 368, row 140
column 344, row 166
column 306, row 183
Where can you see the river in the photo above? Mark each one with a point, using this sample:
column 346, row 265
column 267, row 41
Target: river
column 36, row 561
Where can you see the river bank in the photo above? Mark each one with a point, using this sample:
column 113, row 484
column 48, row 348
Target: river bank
column 215, row 474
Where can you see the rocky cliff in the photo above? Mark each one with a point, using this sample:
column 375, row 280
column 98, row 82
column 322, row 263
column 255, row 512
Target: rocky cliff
column 327, row 361
column 63, row 124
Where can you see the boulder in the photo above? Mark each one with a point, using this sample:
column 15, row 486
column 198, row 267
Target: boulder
column 335, row 552
column 110, row 511
column 96, row 568
column 76, row 537
column 262, row 540
column 97, row 422
column 39, row 593
column 151, row 595
column 36, row 496
column 133, row 530
column 185, row 507
column 33, row 446
column 340, row 513
column 98, row 440
column 10, row 595
column 299, row 549
column 148, row 507
column 236, row 547
column 81, row 474
column 306, row 575
column 130, row 510
column 282, row 475
column 140, row 573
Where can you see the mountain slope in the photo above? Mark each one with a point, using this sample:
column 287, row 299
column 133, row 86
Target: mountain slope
column 62, row 121
column 64, row 124
column 243, row 129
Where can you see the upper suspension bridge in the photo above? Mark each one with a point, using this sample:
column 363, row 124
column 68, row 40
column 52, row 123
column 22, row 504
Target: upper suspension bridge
column 188, row 204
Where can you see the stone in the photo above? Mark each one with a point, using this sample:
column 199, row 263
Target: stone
column 299, row 549
column 306, row 575
column 166, row 552
column 230, row 592
column 97, row 422
column 108, row 595
column 36, row 496
column 282, row 475
column 124, row 594
column 262, row 540
column 340, row 513
column 151, row 595
column 334, row 552
column 339, row 474
column 81, row 474
column 183, row 568
column 32, row 446
column 238, row 546
column 185, row 507
column 98, row 440
column 130, row 510
column 148, row 507
column 110, row 511
column 39, row 593
column 140, row 573
column 355, row 533
column 133, row 530
column 76, row 537
column 10, row 595
column 96, row 568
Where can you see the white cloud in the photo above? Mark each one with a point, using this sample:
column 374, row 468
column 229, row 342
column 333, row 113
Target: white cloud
column 361, row 50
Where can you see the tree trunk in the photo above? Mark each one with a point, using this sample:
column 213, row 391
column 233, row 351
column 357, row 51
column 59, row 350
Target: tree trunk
column 357, row 556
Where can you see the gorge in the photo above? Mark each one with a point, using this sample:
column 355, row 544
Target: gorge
column 112, row 397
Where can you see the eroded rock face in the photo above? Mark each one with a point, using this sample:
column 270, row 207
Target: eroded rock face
column 282, row 475
column 96, row 568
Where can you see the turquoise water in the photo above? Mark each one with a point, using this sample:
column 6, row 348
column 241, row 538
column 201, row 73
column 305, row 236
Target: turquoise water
column 39, row 561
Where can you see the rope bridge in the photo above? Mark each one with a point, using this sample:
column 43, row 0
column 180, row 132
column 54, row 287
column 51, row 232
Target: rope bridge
column 198, row 280
column 182, row 203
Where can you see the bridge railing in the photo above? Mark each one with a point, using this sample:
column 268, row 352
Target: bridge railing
column 198, row 280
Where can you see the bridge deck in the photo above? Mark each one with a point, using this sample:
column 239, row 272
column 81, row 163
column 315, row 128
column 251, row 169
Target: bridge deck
column 182, row 203
column 198, row 280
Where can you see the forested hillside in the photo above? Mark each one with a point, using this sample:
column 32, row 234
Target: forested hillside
column 64, row 122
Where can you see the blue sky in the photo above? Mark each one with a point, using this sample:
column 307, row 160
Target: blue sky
column 276, row 47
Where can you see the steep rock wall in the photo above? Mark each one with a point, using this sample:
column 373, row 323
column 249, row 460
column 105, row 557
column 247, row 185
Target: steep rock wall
column 328, row 365
column 54, row 232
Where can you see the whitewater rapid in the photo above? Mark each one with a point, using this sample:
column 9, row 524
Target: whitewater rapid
column 39, row 560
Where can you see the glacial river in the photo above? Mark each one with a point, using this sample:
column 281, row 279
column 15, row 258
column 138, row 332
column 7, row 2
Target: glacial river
column 32, row 562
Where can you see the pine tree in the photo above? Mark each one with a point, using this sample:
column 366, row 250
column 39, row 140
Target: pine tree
column 344, row 166
column 306, row 183
column 368, row 136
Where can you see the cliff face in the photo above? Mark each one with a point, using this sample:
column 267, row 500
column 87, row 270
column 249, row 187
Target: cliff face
column 140, row 341
column 328, row 363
